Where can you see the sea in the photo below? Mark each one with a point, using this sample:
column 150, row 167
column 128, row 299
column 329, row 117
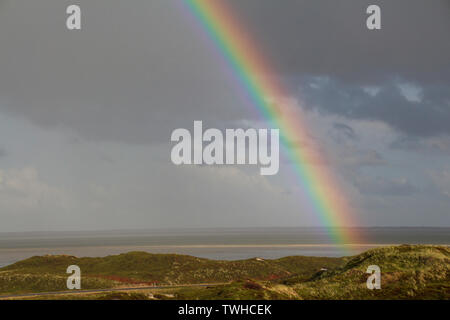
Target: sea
column 219, row 244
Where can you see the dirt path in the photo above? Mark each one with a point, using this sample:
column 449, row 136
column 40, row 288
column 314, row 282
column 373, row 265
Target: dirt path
column 75, row 292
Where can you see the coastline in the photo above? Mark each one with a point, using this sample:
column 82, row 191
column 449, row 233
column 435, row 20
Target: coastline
column 211, row 251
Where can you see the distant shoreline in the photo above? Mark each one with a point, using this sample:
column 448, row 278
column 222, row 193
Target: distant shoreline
column 206, row 246
column 9, row 256
column 217, row 244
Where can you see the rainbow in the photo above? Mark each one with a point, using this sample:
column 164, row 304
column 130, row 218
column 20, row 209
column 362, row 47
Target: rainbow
column 265, row 92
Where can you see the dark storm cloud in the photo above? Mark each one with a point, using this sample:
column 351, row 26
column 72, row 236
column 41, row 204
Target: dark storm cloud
column 137, row 71
column 112, row 93
column 133, row 73
column 330, row 37
column 428, row 116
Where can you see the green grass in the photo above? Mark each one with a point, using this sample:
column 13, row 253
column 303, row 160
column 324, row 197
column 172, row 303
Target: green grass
column 48, row 273
column 408, row 272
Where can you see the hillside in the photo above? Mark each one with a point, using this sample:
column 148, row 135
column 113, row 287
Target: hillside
column 408, row 272
column 48, row 273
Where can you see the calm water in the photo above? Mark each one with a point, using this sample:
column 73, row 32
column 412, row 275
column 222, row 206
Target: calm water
column 226, row 244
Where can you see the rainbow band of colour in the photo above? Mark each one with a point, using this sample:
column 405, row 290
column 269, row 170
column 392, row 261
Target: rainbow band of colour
column 257, row 77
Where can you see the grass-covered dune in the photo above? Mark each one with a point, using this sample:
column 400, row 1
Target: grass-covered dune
column 48, row 273
column 408, row 272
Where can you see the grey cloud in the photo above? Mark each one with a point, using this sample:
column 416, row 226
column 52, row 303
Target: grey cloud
column 133, row 73
column 330, row 37
column 384, row 187
column 355, row 157
column 367, row 158
column 351, row 152
column 430, row 116
column 136, row 72
column 441, row 181
column 436, row 145
column 341, row 132
column 112, row 93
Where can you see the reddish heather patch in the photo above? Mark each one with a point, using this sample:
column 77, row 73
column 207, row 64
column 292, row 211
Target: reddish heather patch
column 126, row 280
column 274, row 277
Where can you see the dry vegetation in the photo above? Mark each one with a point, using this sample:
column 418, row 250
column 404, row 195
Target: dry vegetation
column 408, row 272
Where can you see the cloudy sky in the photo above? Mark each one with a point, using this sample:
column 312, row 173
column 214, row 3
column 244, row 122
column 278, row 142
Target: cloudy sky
column 86, row 116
